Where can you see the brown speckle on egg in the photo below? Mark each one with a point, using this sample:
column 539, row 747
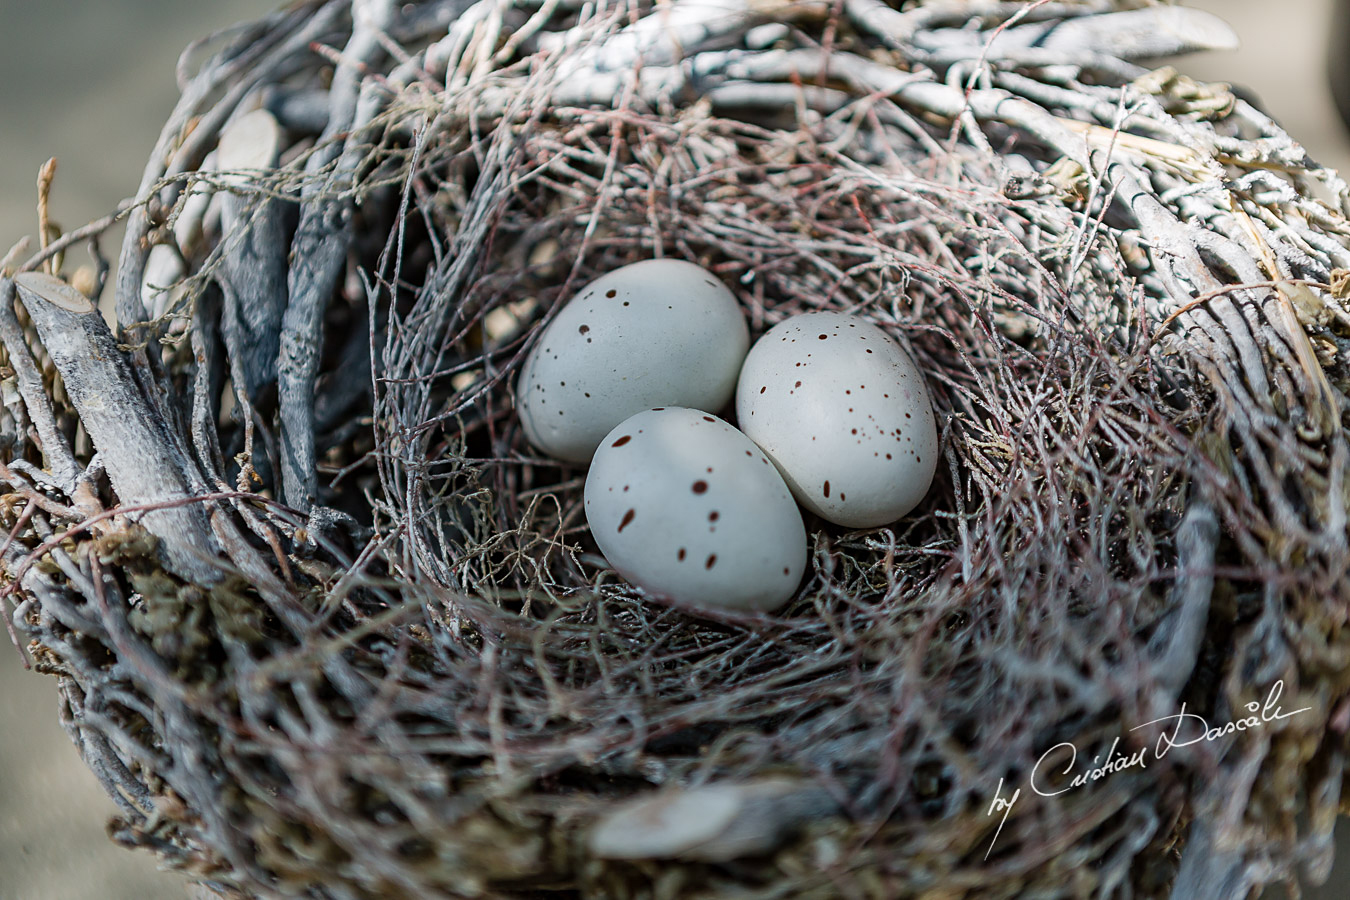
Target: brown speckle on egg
column 712, row 561
column 707, row 418
column 827, row 489
column 584, row 329
column 621, row 441
column 627, row 518
column 681, row 555
column 714, row 516
column 611, row 293
column 700, row 487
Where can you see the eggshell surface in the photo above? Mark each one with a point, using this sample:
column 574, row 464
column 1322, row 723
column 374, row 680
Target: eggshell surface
column 654, row 333
column 686, row 507
column 843, row 412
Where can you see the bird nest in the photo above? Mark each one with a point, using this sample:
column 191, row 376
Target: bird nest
column 326, row 626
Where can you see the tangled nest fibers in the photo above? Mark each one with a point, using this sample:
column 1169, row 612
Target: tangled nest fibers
column 326, row 627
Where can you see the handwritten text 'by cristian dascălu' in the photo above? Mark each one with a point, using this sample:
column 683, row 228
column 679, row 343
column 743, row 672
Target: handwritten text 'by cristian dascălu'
column 1197, row 730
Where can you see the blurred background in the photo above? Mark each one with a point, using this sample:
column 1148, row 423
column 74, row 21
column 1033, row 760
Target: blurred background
column 91, row 83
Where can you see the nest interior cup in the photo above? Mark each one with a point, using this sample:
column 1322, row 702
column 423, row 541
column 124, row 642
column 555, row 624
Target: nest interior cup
column 327, row 626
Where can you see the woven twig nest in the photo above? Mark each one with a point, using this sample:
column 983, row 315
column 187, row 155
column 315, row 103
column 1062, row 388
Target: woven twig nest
column 326, row 626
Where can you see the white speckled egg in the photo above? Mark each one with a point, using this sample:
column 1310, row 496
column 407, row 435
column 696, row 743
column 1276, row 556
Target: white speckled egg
column 661, row 332
column 843, row 412
column 686, row 507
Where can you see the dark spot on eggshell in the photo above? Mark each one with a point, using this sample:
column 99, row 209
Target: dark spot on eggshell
column 621, row 441
column 827, row 489
column 714, row 516
column 627, row 518
column 625, row 303
column 700, row 487
column 712, row 561
column 588, row 393
column 584, row 329
column 888, row 456
column 707, row 418
column 841, row 496
column 763, row 389
column 710, row 469
column 824, row 336
column 611, row 293
column 680, row 556
column 798, row 384
column 747, row 453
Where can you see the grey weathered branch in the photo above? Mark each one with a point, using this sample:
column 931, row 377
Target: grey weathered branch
column 319, row 250
column 141, row 461
column 253, row 269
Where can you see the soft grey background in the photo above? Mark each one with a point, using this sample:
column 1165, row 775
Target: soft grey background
column 91, row 83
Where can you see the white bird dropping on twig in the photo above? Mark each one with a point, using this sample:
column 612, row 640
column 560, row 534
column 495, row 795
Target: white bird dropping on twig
column 712, row 823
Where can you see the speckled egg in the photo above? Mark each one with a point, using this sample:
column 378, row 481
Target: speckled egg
column 661, row 332
column 843, row 412
column 689, row 509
